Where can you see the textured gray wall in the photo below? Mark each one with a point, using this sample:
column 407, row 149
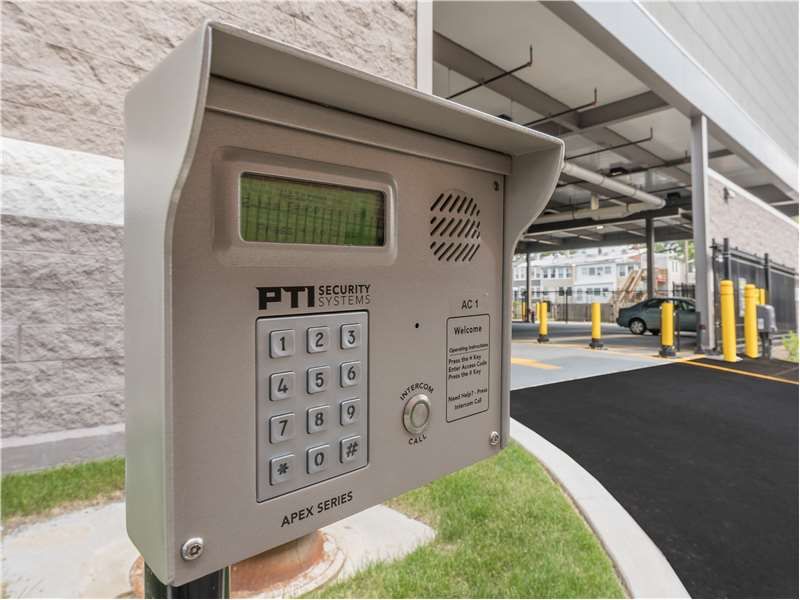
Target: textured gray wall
column 749, row 224
column 68, row 65
column 751, row 49
column 66, row 69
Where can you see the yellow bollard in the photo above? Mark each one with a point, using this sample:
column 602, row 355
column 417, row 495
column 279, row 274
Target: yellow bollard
column 667, row 330
column 543, row 323
column 762, row 296
column 750, row 324
column 596, row 329
column 728, row 321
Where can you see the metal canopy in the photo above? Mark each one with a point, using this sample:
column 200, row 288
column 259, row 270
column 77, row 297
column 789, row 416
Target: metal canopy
column 474, row 41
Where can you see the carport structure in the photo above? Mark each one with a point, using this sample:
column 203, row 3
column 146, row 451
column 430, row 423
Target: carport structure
column 693, row 104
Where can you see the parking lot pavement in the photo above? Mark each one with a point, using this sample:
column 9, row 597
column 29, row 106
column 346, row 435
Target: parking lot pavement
column 705, row 460
column 567, row 355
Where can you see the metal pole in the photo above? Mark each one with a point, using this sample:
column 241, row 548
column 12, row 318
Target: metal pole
column 213, row 585
column 528, row 286
column 767, row 276
column 651, row 269
column 700, row 229
column 726, row 258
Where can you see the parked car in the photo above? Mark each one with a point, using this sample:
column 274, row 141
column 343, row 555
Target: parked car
column 646, row 315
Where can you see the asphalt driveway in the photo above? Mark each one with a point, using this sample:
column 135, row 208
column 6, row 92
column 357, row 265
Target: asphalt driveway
column 705, row 460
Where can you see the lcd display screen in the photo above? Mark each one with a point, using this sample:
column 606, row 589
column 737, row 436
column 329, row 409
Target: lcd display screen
column 288, row 211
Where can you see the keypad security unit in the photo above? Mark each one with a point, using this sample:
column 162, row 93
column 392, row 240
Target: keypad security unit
column 317, row 293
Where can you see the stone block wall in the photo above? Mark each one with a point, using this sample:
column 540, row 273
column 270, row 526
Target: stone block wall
column 767, row 230
column 66, row 69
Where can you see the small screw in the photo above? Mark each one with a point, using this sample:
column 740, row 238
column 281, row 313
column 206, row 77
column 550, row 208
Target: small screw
column 496, row 186
column 192, row 548
column 494, row 438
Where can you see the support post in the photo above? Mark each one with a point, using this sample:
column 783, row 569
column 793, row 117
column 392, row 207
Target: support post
column 596, row 327
column 750, row 324
column 728, row 321
column 667, row 330
column 528, row 298
column 700, row 226
column 767, row 278
column 650, row 233
column 543, row 323
column 213, row 585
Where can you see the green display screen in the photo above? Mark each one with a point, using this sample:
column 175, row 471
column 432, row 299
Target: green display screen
column 288, row 211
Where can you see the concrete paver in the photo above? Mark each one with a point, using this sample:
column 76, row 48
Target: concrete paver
column 87, row 553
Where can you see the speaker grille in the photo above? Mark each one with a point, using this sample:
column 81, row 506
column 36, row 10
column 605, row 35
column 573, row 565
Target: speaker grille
column 455, row 227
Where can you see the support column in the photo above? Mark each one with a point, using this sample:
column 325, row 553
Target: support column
column 650, row 233
column 704, row 282
column 529, row 300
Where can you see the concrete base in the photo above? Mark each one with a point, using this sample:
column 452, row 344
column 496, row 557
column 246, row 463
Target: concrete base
column 87, row 553
column 595, row 344
column 542, row 339
column 35, row 452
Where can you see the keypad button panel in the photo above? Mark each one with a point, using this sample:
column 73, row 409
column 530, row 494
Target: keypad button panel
column 312, row 399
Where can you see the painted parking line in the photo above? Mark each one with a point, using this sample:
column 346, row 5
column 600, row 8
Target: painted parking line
column 688, row 361
column 529, row 362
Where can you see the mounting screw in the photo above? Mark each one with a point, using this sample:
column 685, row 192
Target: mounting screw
column 494, row 438
column 496, row 186
column 192, row 548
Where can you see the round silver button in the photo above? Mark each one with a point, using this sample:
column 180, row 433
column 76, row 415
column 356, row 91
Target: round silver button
column 417, row 414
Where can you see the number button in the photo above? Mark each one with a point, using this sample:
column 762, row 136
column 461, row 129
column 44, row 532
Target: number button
column 317, row 458
column 349, row 411
column 281, row 343
column 281, row 469
column 350, row 448
column 317, row 419
column 318, row 378
column 281, row 386
column 318, row 339
column 351, row 336
column 281, row 428
column 350, row 373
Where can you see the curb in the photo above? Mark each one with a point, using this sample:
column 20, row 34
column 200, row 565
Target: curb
column 644, row 570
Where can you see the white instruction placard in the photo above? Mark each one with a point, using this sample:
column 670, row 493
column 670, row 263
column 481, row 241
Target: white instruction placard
column 467, row 366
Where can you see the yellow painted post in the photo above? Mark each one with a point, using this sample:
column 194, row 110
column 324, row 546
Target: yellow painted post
column 543, row 323
column 728, row 320
column 667, row 330
column 750, row 325
column 596, row 328
column 762, row 296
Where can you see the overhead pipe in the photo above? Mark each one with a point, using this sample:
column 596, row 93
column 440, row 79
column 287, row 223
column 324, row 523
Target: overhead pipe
column 612, row 185
column 645, row 201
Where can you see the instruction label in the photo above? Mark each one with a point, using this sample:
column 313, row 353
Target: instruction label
column 467, row 366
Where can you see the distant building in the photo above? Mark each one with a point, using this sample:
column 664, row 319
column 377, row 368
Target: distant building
column 595, row 275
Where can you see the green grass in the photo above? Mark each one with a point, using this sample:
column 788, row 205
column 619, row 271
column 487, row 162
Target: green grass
column 504, row 529
column 28, row 494
column 790, row 343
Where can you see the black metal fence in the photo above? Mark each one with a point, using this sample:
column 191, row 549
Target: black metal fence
column 683, row 290
column 742, row 268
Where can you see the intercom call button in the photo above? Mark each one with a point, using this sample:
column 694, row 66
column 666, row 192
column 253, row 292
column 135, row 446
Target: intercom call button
column 281, row 343
column 350, row 448
column 318, row 339
column 350, row 373
column 351, row 336
column 318, row 419
column 281, row 386
column 318, row 378
column 317, row 458
column 281, row 428
column 281, row 469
